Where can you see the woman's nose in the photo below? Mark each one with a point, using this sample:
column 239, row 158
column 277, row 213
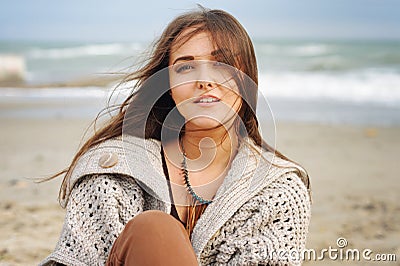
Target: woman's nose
column 205, row 85
column 205, row 75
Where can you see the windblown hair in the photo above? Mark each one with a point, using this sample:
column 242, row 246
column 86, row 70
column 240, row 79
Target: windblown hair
column 237, row 50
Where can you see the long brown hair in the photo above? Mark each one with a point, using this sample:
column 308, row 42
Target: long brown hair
column 237, row 50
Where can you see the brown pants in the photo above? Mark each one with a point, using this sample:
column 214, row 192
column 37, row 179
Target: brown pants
column 152, row 238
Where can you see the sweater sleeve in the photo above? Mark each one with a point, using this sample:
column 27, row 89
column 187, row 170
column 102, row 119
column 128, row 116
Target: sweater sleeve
column 98, row 208
column 270, row 229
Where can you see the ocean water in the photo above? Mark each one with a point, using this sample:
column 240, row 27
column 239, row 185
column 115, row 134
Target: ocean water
column 353, row 82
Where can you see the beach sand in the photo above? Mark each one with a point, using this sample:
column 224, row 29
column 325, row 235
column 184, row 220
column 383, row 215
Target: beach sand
column 353, row 173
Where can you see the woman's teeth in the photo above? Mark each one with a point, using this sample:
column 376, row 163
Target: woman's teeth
column 208, row 100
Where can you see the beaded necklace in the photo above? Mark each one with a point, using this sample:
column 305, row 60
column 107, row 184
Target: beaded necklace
column 189, row 188
column 198, row 204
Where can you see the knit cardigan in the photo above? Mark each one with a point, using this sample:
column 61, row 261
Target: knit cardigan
column 260, row 214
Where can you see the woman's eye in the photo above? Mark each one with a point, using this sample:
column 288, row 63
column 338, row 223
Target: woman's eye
column 182, row 68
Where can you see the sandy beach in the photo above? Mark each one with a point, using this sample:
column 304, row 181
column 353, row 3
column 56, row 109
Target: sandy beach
column 353, row 172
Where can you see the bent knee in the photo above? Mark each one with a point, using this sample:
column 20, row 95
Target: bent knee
column 149, row 220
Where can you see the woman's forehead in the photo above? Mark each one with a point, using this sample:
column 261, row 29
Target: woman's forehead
column 198, row 45
column 190, row 33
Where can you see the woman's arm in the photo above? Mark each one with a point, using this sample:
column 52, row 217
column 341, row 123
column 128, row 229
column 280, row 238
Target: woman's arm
column 270, row 229
column 98, row 209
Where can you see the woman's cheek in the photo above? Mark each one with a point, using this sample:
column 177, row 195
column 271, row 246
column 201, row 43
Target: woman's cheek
column 233, row 100
column 180, row 97
column 177, row 96
column 181, row 93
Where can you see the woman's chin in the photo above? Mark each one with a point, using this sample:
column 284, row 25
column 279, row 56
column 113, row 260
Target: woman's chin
column 203, row 123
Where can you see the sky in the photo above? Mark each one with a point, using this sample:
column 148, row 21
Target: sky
column 124, row 20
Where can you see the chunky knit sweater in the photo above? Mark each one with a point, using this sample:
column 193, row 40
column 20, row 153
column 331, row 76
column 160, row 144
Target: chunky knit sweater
column 259, row 216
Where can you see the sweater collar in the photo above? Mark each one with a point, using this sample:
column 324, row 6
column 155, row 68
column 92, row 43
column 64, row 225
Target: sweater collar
column 141, row 159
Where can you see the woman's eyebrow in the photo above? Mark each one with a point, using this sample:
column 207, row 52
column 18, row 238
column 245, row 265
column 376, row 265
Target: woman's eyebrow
column 184, row 58
column 190, row 57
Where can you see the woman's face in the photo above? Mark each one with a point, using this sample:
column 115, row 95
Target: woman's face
column 203, row 89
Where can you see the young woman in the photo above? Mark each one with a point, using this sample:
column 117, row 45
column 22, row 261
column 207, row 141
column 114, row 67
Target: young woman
column 181, row 175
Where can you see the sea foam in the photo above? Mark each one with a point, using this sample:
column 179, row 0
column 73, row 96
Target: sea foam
column 357, row 87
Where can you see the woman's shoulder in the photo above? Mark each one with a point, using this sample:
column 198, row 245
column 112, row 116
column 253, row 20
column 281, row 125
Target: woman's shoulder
column 126, row 155
column 271, row 168
column 278, row 182
column 110, row 156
